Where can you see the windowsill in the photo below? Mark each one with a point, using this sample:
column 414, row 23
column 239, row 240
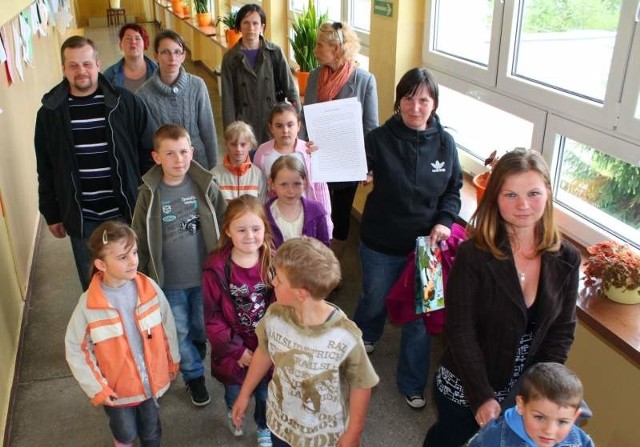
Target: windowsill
column 208, row 31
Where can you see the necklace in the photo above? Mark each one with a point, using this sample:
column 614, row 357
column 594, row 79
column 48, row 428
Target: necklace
column 521, row 276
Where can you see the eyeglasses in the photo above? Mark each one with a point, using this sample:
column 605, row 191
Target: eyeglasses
column 337, row 27
column 175, row 53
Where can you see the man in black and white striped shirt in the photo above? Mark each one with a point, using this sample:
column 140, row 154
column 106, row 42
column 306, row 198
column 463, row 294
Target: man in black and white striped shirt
column 93, row 142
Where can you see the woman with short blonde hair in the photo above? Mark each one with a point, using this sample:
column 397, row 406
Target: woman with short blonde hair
column 339, row 77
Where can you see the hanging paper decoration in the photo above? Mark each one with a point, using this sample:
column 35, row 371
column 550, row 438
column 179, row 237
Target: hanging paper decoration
column 8, row 63
column 17, row 48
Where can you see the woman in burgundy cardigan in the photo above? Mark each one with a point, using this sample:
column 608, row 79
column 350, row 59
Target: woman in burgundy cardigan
column 511, row 299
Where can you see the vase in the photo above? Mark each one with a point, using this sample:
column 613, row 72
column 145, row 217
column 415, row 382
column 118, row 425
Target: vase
column 204, row 18
column 233, row 37
column 480, row 182
column 303, row 77
column 620, row 295
column 114, row 4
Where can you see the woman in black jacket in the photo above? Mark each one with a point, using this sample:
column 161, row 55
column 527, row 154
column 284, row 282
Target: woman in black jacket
column 417, row 180
column 511, row 299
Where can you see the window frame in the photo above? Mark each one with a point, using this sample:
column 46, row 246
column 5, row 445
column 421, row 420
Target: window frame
column 609, row 127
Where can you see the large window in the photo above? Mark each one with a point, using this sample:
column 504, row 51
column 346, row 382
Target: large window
column 562, row 77
column 357, row 13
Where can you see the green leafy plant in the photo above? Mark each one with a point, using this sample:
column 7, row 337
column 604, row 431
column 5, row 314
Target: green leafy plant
column 614, row 264
column 228, row 20
column 305, row 35
column 202, row 6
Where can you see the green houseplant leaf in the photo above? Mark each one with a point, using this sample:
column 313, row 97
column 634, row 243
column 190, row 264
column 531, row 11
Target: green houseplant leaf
column 202, row 6
column 228, row 20
column 305, row 34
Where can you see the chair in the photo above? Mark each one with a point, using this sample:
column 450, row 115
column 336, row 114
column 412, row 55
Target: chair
column 114, row 14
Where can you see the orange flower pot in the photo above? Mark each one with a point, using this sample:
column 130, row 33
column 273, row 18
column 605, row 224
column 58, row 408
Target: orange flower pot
column 176, row 7
column 204, row 18
column 303, row 77
column 233, row 37
column 480, row 182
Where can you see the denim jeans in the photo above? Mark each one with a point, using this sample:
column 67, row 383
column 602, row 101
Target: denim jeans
column 127, row 423
column 81, row 254
column 186, row 306
column 260, row 393
column 379, row 272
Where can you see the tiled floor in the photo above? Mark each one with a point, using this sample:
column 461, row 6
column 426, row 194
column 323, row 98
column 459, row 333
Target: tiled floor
column 51, row 410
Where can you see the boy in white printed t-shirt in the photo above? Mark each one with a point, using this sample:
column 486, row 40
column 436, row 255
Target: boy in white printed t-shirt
column 322, row 377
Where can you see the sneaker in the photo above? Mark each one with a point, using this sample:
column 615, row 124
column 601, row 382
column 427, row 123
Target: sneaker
column 237, row 431
column 198, row 390
column 416, row 401
column 369, row 346
column 264, row 437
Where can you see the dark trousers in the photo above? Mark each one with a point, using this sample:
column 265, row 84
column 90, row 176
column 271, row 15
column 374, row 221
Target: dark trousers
column 277, row 442
column 342, row 195
column 455, row 424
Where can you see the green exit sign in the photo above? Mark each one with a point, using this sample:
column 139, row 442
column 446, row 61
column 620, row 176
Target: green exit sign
column 383, row 8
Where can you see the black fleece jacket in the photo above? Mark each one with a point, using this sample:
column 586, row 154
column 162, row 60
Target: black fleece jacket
column 416, row 184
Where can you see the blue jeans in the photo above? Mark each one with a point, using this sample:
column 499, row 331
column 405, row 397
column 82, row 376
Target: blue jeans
column 260, row 393
column 379, row 272
column 81, row 254
column 127, row 423
column 186, row 306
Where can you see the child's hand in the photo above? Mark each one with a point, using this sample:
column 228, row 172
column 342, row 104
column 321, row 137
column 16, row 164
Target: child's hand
column 367, row 180
column 237, row 412
column 110, row 401
column 311, row 147
column 172, row 376
column 349, row 439
column 246, row 358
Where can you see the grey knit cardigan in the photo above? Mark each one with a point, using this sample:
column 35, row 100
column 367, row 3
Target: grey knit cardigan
column 187, row 103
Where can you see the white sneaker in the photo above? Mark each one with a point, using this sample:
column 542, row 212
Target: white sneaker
column 369, row 347
column 236, row 431
column 416, row 401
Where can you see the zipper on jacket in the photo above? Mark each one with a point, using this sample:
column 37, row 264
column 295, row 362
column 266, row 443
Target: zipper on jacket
column 113, row 148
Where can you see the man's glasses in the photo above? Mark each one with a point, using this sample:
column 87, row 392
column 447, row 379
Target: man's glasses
column 337, row 27
column 175, row 53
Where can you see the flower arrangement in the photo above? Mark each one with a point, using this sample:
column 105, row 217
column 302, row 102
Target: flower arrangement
column 616, row 265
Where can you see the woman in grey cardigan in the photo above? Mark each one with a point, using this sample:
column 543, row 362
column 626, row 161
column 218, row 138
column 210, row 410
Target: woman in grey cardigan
column 254, row 71
column 337, row 77
column 174, row 96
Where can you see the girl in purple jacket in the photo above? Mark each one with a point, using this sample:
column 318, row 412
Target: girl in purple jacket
column 237, row 291
column 289, row 213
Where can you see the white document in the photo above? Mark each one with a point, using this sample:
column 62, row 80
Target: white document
column 336, row 128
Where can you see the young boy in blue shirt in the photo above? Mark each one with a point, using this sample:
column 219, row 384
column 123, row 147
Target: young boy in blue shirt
column 176, row 218
column 546, row 408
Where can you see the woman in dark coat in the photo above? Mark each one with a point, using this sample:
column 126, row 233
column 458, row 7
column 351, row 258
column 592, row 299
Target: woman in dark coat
column 511, row 299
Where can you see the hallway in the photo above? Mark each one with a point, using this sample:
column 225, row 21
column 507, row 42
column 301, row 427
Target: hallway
column 51, row 410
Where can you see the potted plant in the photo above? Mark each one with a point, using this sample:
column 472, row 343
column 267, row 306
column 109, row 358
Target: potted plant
column 202, row 12
column 232, row 35
column 305, row 34
column 176, row 7
column 617, row 266
column 481, row 180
